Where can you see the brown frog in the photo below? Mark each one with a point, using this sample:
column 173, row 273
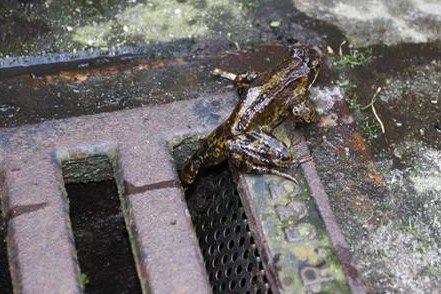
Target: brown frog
column 265, row 100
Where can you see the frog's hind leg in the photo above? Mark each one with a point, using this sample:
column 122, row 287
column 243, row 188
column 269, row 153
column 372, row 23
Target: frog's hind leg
column 258, row 152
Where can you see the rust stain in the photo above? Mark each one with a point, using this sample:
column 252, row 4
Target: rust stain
column 359, row 144
column 39, row 82
column 132, row 189
column 375, row 177
column 357, row 201
column 23, row 209
column 233, row 60
column 227, row 60
column 81, row 75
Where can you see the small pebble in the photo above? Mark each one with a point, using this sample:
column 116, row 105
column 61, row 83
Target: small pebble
column 275, row 24
column 330, row 50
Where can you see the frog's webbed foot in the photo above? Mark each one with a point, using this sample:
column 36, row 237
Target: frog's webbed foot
column 250, row 168
column 299, row 161
column 257, row 152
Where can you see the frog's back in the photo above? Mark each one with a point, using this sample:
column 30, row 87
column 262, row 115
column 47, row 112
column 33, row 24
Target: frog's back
column 268, row 103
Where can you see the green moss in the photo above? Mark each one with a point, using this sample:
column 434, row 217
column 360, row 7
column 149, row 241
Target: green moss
column 289, row 221
column 84, row 279
column 289, row 187
column 112, row 155
column 182, row 149
column 95, row 35
column 369, row 128
column 367, row 125
column 315, row 249
column 163, row 21
column 432, row 270
column 410, row 228
column 283, row 200
column 251, row 5
column 346, row 85
column 355, row 58
column 353, row 103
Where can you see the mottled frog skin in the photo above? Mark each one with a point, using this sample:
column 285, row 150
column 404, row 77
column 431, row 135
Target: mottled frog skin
column 265, row 101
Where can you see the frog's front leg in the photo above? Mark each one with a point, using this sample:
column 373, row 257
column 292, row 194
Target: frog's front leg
column 243, row 81
column 258, row 152
column 304, row 112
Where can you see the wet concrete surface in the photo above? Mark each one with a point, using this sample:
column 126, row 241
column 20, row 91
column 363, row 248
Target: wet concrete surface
column 46, row 73
column 36, row 32
column 409, row 100
column 367, row 22
column 384, row 187
column 38, row 96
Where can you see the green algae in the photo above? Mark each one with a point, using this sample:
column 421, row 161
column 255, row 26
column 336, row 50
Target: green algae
column 313, row 247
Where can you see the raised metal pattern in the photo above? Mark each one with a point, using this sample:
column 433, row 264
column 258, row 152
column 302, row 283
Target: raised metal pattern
column 294, row 232
column 231, row 256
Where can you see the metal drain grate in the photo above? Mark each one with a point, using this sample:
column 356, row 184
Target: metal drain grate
column 231, row 256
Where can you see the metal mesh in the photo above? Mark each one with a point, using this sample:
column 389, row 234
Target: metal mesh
column 231, row 256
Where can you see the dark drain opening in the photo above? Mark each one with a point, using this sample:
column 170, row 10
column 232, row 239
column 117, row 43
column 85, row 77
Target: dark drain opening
column 101, row 238
column 231, row 256
column 5, row 278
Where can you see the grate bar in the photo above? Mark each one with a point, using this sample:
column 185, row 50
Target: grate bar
column 41, row 251
column 339, row 242
column 40, row 246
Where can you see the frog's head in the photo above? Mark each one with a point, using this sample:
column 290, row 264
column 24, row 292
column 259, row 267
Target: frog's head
column 308, row 55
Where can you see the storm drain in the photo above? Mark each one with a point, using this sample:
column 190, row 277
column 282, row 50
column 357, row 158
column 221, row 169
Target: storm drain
column 41, row 250
column 232, row 259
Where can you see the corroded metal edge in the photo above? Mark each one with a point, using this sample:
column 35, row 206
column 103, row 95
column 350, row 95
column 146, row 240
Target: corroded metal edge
column 261, row 241
column 317, row 190
column 294, row 243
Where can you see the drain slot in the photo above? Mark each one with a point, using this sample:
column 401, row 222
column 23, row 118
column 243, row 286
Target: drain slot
column 101, row 238
column 232, row 259
column 5, row 278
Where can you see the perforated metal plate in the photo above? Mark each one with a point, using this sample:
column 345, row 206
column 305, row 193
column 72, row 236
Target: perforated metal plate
column 231, row 256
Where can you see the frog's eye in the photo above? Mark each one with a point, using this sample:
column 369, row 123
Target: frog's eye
column 315, row 63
